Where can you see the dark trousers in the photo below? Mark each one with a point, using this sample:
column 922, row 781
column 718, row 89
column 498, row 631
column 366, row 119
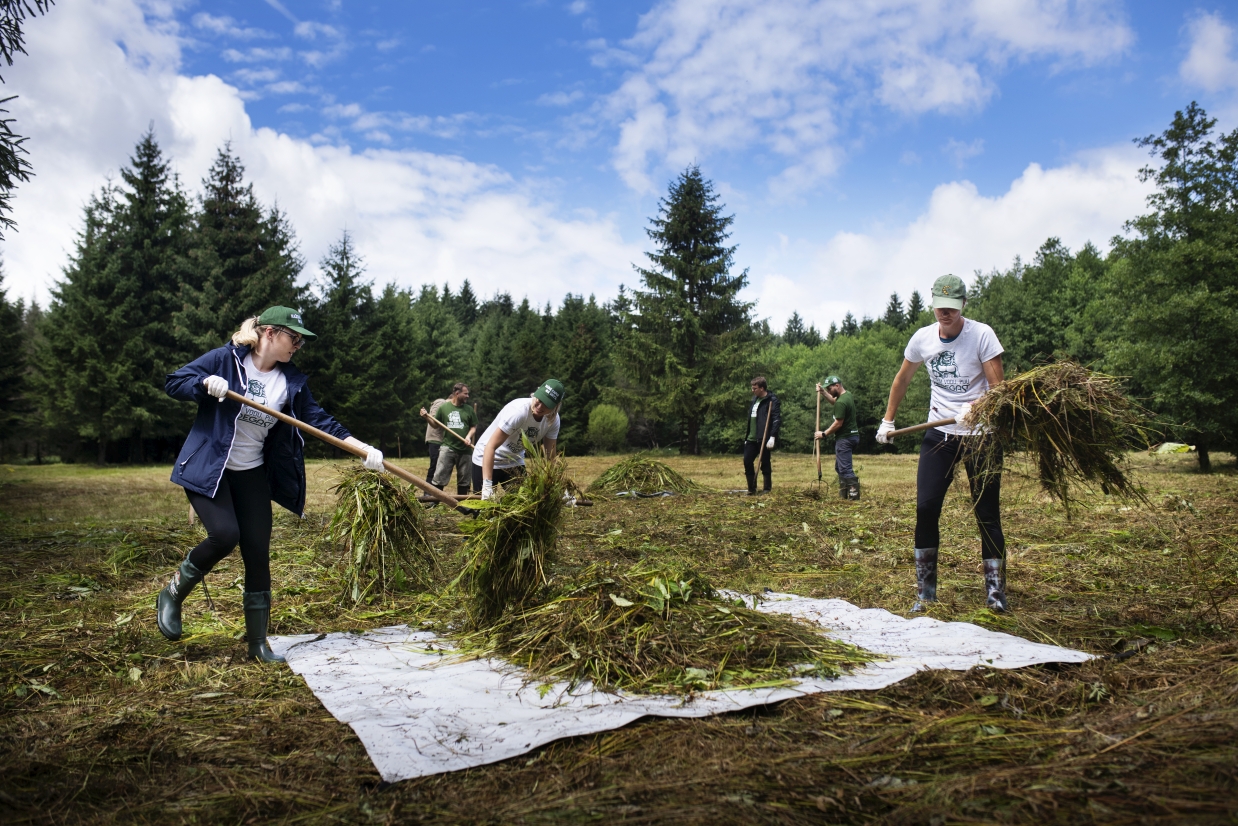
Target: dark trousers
column 240, row 512
column 844, row 446
column 500, row 475
column 938, row 458
column 433, row 448
column 751, row 449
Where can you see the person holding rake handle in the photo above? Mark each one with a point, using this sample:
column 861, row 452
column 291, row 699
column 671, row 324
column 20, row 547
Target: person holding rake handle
column 964, row 359
column 499, row 454
column 237, row 460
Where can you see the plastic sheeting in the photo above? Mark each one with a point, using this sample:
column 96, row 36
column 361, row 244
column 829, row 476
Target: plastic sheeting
column 419, row 712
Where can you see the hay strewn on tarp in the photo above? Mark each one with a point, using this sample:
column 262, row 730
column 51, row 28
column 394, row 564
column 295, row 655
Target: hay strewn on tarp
column 513, row 539
column 658, row 631
column 642, row 474
column 380, row 528
column 1075, row 423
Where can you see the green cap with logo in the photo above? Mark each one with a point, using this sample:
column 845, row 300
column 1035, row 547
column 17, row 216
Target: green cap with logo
column 550, row 393
column 285, row 317
column 949, row 293
column 831, row 380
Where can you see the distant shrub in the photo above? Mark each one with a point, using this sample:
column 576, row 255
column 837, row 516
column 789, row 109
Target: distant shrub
column 608, row 428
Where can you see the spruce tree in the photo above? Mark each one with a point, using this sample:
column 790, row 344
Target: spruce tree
column 894, row 316
column 849, row 326
column 13, row 167
column 915, row 306
column 13, row 365
column 437, row 349
column 580, row 354
column 464, row 305
column 794, row 332
column 687, row 340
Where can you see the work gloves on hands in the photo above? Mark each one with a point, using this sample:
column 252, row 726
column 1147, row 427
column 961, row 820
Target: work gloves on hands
column 216, row 386
column 964, row 414
column 769, row 443
column 373, row 459
column 487, row 490
column 883, row 432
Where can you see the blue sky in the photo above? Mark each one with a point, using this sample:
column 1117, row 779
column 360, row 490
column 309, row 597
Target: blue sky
column 864, row 147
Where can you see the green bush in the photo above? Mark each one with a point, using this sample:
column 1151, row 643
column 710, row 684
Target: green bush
column 608, row 428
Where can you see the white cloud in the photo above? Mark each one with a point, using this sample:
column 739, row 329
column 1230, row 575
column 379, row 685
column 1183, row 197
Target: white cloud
column 227, row 27
column 734, row 74
column 960, row 231
column 961, row 152
column 257, row 54
column 560, row 98
column 99, row 72
column 1209, row 63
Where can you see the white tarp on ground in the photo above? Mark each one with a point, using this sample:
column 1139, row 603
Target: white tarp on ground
column 419, row 712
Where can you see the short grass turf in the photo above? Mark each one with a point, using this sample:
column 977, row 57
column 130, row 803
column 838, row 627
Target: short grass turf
column 103, row 721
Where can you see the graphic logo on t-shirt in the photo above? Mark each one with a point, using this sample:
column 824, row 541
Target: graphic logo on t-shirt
column 945, row 371
column 532, row 431
column 258, row 392
column 453, row 421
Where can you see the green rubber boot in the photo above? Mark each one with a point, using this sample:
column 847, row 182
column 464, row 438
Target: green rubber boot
column 168, row 604
column 257, row 616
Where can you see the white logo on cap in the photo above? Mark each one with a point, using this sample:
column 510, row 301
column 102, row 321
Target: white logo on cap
column 295, row 316
column 549, row 392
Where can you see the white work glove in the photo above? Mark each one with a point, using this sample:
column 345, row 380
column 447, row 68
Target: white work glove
column 883, row 432
column 964, row 413
column 487, row 490
column 216, row 386
column 770, row 443
column 373, row 459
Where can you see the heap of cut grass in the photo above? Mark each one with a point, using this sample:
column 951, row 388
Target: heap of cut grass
column 642, row 474
column 514, row 539
column 1075, row 424
column 381, row 529
column 658, row 631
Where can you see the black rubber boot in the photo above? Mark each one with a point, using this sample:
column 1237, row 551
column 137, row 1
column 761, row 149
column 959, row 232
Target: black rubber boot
column 853, row 488
column 995, row 585
column 257, row 616
column 843, row 489
column 168, row 603
column 462, row 491
column 926, row 578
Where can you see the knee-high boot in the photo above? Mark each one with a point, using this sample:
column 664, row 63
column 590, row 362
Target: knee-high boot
column 995, row 584
column 926, row 578
column 257, row 616
column 168, row 604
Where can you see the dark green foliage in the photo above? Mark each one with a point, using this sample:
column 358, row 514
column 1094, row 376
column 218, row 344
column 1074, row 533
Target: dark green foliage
column 13, row 365
column 13, row 167
column 608, row 428
column 579, row 356
column 688, row 336
column 849, row 326
column 894, row 315
column 915, row 307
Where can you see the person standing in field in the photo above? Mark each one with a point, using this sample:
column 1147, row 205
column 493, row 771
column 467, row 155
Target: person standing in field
column 457, row 449
column 846, row 431
column 499, row 455
column 434, row 436
column 764, row 424
column 964, row 359
column 237, row 460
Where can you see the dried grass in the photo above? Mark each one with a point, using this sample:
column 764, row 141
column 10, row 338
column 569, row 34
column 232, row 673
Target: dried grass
column 643, row 474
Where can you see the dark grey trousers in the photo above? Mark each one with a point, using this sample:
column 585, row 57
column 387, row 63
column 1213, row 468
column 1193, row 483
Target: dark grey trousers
column 844, row 446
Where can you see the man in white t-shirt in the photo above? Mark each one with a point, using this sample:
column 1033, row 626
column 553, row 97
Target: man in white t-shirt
column 500, row 450
column 963, row 359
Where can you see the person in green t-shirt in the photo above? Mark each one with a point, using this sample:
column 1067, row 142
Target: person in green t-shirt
column 846, row 426
column 457, row 449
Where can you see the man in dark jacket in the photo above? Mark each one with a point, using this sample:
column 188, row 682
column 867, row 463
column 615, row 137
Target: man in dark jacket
column 764, row 423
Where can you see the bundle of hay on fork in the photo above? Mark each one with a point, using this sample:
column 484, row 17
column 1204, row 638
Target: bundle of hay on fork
column 642, row 474
column 1075, row 424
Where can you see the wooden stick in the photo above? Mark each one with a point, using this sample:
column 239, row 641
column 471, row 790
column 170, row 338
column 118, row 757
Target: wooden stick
column 916, row 428
column 445, row 428
column 445, row 498
column 764, row 436
column 815, row 441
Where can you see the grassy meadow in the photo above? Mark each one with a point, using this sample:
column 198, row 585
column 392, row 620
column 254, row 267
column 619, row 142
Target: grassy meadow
column 104, row 721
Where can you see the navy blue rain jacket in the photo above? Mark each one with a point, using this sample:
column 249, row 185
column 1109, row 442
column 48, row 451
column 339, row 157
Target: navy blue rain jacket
column 200, row 465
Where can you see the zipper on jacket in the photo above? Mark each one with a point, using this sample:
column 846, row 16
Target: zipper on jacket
column 240, row 368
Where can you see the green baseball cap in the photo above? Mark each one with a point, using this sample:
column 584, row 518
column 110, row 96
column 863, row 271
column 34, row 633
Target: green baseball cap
column 949, row 293
column 550, row 393
column 831, row 380
column 284, row 317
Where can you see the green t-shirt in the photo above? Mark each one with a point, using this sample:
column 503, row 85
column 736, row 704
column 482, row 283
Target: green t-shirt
column 752, row 419
column 458, row 420
column 844, row 411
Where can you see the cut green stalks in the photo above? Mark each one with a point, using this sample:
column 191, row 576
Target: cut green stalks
column 381, row 530
column 649, row 630
column 643, row 475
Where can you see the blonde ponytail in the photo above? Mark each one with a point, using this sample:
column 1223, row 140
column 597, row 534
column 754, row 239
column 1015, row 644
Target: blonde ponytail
column 249, row 334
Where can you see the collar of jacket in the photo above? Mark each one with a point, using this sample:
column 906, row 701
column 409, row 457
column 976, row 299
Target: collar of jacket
column 292, row 374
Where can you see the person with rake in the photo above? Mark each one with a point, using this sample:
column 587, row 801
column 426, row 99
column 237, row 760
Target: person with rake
column 764, row 424
column 456, row 451
column 237, row 460
column 499, row 454
column 964, row 359
column 846, row 425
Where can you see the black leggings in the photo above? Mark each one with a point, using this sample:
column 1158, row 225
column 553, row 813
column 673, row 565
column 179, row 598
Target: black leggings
column 750, row 471
column 501, row 476
column 240, row 512
column 938, row 458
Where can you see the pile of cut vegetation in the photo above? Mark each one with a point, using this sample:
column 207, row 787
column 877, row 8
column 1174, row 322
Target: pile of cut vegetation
column 652, row 630
column 1076, row 425
column 381, row 530
column 642, row 474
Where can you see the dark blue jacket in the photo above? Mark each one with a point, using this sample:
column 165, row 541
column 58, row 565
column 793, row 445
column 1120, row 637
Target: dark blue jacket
column 200, row 465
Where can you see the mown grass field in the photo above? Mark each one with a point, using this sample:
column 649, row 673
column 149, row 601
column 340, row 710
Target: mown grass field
column 102, row 720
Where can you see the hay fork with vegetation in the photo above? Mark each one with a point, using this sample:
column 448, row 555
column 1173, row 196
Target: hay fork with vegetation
column 643, row 474
column 381, row 530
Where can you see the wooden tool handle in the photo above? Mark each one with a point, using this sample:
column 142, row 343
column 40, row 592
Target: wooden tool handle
column 430, row 490
column 445, row 428
column 916, row 428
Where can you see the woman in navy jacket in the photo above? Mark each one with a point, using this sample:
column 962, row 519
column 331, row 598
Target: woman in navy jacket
column 238, row 459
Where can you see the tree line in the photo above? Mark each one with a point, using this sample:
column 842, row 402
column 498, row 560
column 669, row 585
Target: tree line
column 157, row 277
